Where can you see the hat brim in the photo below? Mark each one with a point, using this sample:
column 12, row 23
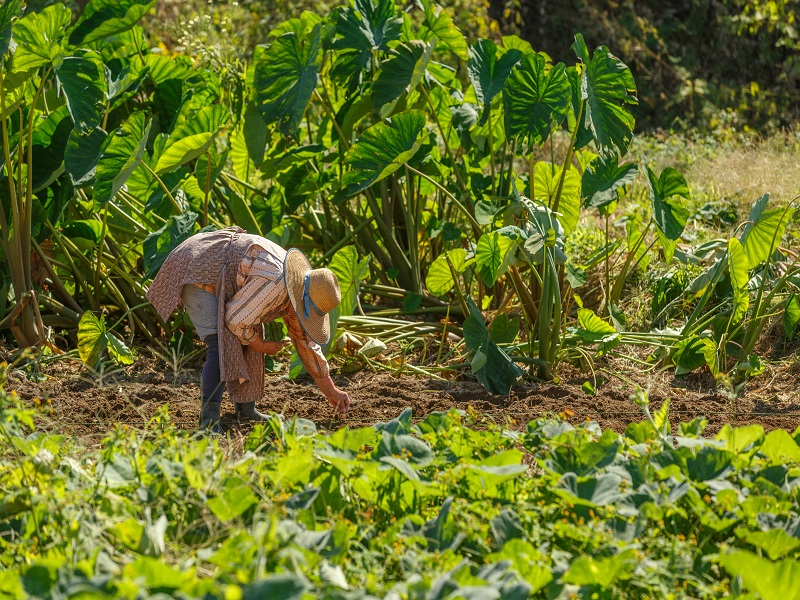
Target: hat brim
column 295, row 267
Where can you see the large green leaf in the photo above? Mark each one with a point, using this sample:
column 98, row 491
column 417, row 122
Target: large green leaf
column 82, row 155
column 368, row 25
column 122, row 153
column 83, row 82
column 439, row 279
column 738, row 267
column 546, row 179
column 780, row 448
column 488, row 73
column 441, row 25
column 39, row 35
column 771, row 580
column 118, row 350
column 763, row 231
column 383, row 148
column 490, row 364
column 10, row 10
column 490, row 256
column 192, row 137
column 350, row 271
column 602, row 572
column 285, row 76
column 105, row 18
column 536, row 99
column 603, row 178
column 608, row 88
column 593, row 329
column 669, row 214
column 91, row 338
column 157, row 246
column 775, row 542
column 235, row 498
column 400, row 74
column 49, row 140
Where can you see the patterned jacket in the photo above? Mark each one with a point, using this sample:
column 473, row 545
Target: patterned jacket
column 212, row 258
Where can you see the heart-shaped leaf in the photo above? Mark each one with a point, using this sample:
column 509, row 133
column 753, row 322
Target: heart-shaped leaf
column 83, row 81
column 440, row 280
column 763, row 232
column 285, row 76
column 536, row 99
column 498, row 373
column 400, row 74
column 669, row 214
column 608, row 88
column 39, row 37
column 383, row 148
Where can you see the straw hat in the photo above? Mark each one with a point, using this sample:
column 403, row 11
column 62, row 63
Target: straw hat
column 313, row 294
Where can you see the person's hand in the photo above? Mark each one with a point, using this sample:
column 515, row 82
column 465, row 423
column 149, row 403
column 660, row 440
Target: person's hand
column 336, row 397
column 270, row 348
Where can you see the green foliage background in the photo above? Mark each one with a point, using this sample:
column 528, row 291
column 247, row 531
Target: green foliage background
column 702, row 63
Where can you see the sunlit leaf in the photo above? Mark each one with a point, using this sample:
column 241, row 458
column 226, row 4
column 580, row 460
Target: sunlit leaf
column 383, row 148
column 769, row 579
column 546, row 181
column 669, row 214
column 104, row 18
column 192, row 137
column 39, row 36
column 740, row 277
column 122, row 152
column 763, row 231
column 441, row 25
column 490, row 256
column 440, row 280
column 91, row 338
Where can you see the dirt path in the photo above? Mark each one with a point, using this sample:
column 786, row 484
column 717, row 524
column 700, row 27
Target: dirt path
column 84, row 408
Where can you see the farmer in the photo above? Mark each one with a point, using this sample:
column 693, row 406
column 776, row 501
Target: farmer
column 230, row 283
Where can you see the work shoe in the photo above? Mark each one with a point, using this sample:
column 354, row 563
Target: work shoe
column 247, row 410
column 209, row 416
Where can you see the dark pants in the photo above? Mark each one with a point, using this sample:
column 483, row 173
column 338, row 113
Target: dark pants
column 211, row 385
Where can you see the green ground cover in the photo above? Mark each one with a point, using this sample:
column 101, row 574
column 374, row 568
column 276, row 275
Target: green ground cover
column 450, row 507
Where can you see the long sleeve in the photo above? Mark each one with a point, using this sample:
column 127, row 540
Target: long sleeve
column 308, row 351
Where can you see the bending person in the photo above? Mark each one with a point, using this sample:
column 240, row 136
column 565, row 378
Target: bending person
column 231, row 283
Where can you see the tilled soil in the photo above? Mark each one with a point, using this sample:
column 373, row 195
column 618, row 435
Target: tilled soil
column 84, row 407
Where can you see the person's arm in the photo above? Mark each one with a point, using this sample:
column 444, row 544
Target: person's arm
column 315, row 363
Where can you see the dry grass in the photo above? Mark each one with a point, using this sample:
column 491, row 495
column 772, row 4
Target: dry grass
column 744, row 174
column 736, row 169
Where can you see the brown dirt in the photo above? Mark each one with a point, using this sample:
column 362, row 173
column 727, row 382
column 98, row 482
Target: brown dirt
column 82, row 406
